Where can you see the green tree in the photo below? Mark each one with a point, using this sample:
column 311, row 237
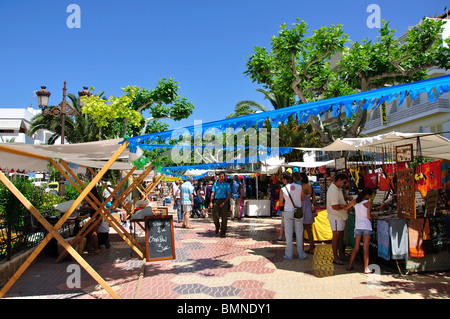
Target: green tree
column 302, row 64
column 291, row 133
column 299, row 64
column 78, row 127
column 162, row 101
column 387, row 61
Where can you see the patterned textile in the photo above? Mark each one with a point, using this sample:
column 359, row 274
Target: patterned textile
column 384, row 247
column 432, row 177
column 399, row 238
column 415, row 236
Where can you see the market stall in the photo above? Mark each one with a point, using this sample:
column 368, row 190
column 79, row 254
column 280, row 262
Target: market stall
column 409, row 175
column 103, row 155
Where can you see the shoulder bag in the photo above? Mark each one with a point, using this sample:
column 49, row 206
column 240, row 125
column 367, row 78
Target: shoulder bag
column 298, row 211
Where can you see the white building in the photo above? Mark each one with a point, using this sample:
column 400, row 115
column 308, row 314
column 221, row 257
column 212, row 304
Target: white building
column 15, row 123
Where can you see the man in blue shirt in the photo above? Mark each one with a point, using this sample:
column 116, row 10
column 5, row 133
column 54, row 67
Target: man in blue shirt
column 236, row 194
column 220, row 204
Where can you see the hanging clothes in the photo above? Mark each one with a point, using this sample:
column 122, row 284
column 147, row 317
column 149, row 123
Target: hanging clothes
column 445, row 171
column 384, row 247
column 431, row 177
column 398, row 230
column 415, row 236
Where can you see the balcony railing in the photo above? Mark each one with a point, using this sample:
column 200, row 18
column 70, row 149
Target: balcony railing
column 412, row 113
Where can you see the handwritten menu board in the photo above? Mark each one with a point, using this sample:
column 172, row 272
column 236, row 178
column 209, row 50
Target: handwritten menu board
column 159, row 238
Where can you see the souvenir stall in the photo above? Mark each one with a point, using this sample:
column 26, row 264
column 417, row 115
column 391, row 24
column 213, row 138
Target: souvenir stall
column 368, row 100
column 409, row 175
column 102, row 154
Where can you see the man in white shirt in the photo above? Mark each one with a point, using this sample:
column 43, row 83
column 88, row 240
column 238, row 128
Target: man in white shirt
column 337, row 215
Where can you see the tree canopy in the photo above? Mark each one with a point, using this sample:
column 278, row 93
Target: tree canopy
column 325, row 64
column 162, row 101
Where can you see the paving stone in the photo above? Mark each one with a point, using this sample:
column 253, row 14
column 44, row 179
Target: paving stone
column 247, row 264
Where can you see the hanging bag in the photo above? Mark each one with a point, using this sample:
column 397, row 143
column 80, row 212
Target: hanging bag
column 370, row 179
column 298, row 211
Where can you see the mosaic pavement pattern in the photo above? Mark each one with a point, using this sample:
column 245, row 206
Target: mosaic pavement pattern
column 247, row 264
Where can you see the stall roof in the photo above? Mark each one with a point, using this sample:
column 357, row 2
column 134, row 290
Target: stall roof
column 431, row 145
column 35, row 157
column 309, row 164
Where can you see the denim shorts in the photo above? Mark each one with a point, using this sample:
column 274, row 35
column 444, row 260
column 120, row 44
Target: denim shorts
column 360, row 232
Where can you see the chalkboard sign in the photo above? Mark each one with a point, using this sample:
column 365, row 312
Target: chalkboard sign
column 159, row 238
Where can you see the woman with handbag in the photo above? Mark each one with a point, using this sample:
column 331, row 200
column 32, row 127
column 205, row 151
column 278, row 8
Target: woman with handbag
column 291, row 197
column 308, row 210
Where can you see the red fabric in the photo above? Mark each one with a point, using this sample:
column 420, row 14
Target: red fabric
column 371, row 180
column 384, row 184
column 415, row 236
column 432, row 177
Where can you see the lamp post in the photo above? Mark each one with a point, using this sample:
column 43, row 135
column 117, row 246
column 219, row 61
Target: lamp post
column 62, row 109
column 43, row 96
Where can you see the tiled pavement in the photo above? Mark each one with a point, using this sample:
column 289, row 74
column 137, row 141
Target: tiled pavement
column 247, row 264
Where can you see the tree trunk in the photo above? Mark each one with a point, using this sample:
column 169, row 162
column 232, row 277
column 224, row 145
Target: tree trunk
column 317, row 125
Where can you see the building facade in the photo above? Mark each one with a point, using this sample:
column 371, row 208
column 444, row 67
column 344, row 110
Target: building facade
column 15, row 124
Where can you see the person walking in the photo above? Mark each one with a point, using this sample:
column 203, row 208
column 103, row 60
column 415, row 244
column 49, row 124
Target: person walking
column 337, row 216
column 220, row 204
column 177, row 200
column 363, row 226
column 307, row 205
column 235, row 200
column 208, row 191
column 187, row 200
column 294, row 191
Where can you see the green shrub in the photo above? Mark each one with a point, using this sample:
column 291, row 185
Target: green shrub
column 11, row 207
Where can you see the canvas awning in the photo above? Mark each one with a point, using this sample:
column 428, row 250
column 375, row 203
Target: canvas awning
column 310, row 164
column 12, row 124
column 91, row 154
column 431, row 145
column 271, row 165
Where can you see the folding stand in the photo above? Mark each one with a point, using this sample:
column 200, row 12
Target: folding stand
column 53, row 231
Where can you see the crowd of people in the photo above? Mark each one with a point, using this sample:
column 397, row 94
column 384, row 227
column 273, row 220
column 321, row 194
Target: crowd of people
column 215, row 198
column 219, row 198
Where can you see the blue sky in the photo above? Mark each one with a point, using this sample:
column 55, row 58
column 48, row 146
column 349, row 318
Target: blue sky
column 202, row 44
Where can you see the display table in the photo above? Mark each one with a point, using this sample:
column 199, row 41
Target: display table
column 321, row 228
column 257, row 207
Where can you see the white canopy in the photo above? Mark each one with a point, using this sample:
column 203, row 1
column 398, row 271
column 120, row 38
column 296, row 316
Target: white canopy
column 271, row 165
column 432, row 145
column 92, row 154
column 309, row 164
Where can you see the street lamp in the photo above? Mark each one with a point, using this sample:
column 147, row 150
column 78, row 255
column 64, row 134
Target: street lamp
column 62, row 109
column 85, row 92
column 43, row 96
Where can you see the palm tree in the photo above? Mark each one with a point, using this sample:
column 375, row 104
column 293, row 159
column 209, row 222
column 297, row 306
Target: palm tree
column 278, row 101
column 46, row 122
column 291, row 133
column 79, row 128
